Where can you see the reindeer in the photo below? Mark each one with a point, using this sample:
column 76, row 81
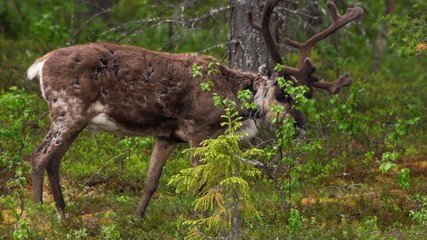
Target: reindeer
column 133, row 91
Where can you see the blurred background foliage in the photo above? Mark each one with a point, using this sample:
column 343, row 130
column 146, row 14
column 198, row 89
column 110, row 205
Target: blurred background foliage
column 377, row 124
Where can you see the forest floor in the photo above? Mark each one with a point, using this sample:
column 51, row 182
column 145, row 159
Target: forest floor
column 356, row 204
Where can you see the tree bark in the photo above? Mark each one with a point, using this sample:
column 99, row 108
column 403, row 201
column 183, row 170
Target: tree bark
column 380, row 42
column 247, row 50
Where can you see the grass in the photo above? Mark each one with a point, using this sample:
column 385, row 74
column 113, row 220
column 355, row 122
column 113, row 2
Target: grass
column 362, row 204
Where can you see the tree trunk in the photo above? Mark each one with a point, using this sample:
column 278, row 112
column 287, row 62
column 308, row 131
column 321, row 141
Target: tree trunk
column 247, row 50
column 380, row 42
column 236, row 216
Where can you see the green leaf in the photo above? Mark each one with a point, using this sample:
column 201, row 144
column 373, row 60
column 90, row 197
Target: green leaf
column 197, row 70
column 386, row 166
column 403, row 178
column 207, row 86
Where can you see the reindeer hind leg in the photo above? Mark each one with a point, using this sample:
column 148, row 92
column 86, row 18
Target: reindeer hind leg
column 48, row 156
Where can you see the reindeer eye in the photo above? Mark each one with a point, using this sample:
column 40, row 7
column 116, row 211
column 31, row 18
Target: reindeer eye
column 281, row 96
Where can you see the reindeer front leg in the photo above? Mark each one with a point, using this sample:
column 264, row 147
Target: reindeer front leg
column 161, row 151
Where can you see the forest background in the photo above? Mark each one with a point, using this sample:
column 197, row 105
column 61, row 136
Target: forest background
column 359, row 173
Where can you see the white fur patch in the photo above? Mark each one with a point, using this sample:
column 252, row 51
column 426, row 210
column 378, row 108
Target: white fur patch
column 33, row 71
column 250, row 128
column 103, row 121
column 97, row 107
column 36, row 70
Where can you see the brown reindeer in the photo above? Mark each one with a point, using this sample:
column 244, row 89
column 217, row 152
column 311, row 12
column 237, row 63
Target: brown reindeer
column 134, row 91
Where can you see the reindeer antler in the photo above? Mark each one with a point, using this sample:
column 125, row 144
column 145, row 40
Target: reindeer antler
column 265, row 31
column 302, row 74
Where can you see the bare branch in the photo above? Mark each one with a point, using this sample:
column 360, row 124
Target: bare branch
column 87, row 22
column 251, row 162
column 154, row 22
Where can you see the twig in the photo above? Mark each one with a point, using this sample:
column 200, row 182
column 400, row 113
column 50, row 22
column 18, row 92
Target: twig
column 74, row 37
column 93, row 175
column 248, row 161
column 159, row 21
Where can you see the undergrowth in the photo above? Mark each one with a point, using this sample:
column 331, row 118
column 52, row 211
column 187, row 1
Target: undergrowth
column 362, row 177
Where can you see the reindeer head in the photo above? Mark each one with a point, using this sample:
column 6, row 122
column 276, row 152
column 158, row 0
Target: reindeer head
column 268, row 92
column 274, row 104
